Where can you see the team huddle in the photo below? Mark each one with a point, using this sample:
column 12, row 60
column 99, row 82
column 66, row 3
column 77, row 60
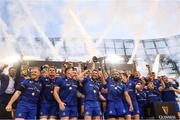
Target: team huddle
column 118, row 95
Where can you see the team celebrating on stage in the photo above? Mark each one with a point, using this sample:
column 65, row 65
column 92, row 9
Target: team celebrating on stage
column 89, row 92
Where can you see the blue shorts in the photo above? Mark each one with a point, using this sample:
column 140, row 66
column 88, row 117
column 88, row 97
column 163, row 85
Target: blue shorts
column 177, row 107
column 115, row 108
column 26, row 110
column 69, row 111
column 141, row 110
column 48, row 109
column 135, row 106
column 92, row 108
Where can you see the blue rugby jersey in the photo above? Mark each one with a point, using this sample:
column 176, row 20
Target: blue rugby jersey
column 116, row 89
column 153, row 96
column 31, row 91
column 91, row 89
column 47, row 90
column 68, row 90
column 141, row 97
column 131, row 87
column 167, row 94
column 157, row 83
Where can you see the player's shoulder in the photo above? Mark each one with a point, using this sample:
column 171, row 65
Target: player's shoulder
column 60, row 79
column 109, row 78
column 25, row 81
column 43, row 79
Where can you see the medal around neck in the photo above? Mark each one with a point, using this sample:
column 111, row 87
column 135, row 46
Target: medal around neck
column 33, row 93
column 94, row 91
column 70, row 88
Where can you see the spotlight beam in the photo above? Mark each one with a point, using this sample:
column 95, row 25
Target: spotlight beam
column 11, row 55
column 109, row 27
column 38, row 28
column 90, row 45
column 139, row 31
column 156, row 65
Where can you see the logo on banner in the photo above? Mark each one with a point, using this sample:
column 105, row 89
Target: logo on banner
column 165, row 109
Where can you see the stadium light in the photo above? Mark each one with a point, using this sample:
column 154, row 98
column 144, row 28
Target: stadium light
column 11, row 59
column 113, row 59
column 31, row 58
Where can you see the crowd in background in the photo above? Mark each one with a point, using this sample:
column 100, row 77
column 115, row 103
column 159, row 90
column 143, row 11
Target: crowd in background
column 42, row 92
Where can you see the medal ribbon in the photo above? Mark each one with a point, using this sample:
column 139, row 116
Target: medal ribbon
column 35, row 87
column 116, row 83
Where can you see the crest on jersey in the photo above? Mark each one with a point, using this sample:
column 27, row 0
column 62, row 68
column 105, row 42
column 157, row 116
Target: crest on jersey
column 87, row 113
column 20, row 114
column 64, row 113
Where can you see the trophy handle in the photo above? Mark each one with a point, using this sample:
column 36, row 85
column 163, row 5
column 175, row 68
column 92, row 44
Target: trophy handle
column 13, row 113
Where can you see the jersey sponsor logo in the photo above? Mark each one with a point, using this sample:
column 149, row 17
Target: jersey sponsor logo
column 48, row 85
column 30, row 88
column 68, row 84
column 152, row 95
column 38, row 90
column 74, row 85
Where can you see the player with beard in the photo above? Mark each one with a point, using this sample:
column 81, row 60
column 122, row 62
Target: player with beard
column 116, row 91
